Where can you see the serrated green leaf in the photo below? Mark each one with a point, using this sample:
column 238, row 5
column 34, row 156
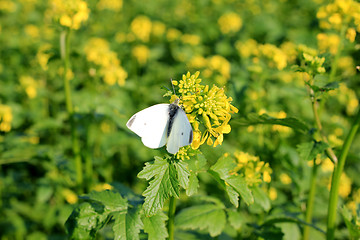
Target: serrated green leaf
column 127, row 226
column 239, row 184
column 309, row 150
column 195, row 165
column 155, row 226
column 158, row 166
column 253, row 119
column 112, row 201
column 233, row 184
column 193, row 184
column 164, row 185
column 261, row 198
column 203, row 217
column 86, row 220
column 234, row 218
column 182, row 173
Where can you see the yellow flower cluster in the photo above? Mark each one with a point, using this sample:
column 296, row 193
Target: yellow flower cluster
column 339, row 14
column 70, row 13
column 141, row 27
column 206, row 105
column 271, row 55
column 252, row 169
column 43, row 56
column 214, row 66
column 315, row 64
column 230, row 23
column 5, row 118
column 98, row 51
column 7, row 6
column 347, row 97
column 30, row 85
column 141, row 53
column 114, row 5
column 328, row 42
column 353, row 204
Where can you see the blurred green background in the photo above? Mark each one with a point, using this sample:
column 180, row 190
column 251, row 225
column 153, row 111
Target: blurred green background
column 121, row 60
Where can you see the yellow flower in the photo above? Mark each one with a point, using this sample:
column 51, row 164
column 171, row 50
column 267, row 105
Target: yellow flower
column 32, row 31
column 6, row 118
column 98, row 51
column 345, row 185
column 141, row 26
column 285, row 179
column 43, row 56
column 30, row 85
column 252, row 169
column 114, row 5
column 230, row 22
column 272, row 193
column 158, row 28
column 190, row 39
column 101, row 187
column 141, row 53
column 351, row 34
column 70, row 13
column 7, row 6
column 209, row 106
column 69, row 196
column 173, row 34
column 328, row 42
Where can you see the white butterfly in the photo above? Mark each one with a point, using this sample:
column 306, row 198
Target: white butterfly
column 162, row 124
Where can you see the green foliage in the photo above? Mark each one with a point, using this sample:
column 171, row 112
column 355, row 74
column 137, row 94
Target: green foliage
column 352, row 223
column 309, row 150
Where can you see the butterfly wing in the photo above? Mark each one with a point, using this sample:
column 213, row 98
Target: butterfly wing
column 151, row 125
column 181, row 133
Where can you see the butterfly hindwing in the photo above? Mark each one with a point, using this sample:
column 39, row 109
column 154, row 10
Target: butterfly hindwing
column 151, row 124
column 181, row 133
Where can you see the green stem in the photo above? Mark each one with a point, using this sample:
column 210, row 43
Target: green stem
column 329, row 152
column 310, row 201
column 335, row 182
column 64, row 50
column 171, row 215
column 88, row 159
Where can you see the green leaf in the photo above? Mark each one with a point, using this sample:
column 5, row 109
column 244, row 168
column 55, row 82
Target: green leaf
column 112, row 201
column 239, row 184
column 253, row 119
column 182, row 173
column 309, row 150
column 235, row 218
column 86, row 220
column 195, row 165
column 127, row 226
column 233, row 184
column 353, row 229
column 270, row 233
column 208, row 217
column 155, row 226
column 163, row 185
column 261, row 198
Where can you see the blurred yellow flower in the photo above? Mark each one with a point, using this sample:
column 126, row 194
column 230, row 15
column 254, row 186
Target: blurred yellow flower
column 30, row 85
column 7, row 6
column 190, row 39
column 98, row 51
column 32, row 31
column 158, row 28
column 101, row 187
column 328, row 42
column 173, row 34
column 250, row 167
column 285, row 179
column 69, row 196
column 351, row 34
column 70, row 13
column 114, row 5
column 6, row 118
column 141, row 53
column 230, row 23
column 345, row 185
column 272, row 193
column 141, row 26
column 43, row 55
column 327, row 165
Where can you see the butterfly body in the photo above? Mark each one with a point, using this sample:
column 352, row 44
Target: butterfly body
column 162, row 124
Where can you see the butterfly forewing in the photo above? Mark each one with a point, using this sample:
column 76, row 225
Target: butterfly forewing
column 181, row 133
column 151, row 124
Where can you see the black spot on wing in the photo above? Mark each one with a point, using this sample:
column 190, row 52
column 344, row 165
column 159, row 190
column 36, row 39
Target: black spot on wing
column 173, row 110
column 131, row 121
column 190, row 136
